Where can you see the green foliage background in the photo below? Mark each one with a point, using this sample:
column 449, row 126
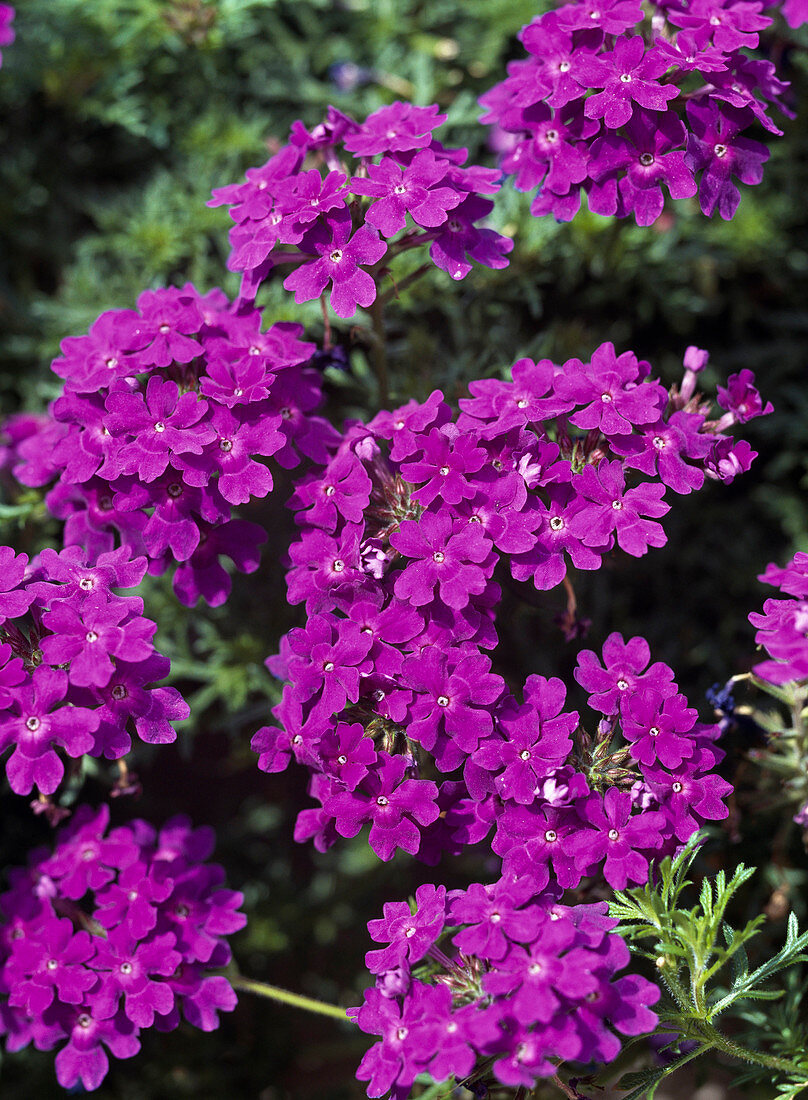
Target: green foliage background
column 117, row 117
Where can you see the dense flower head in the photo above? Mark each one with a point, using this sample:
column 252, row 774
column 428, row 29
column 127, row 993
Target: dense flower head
column 387, row 185
column 79, row 672
column 623, row 102
column 168, row 416
column 782, row 626
column 393, row 699
column 114, row 931
column 499, row 979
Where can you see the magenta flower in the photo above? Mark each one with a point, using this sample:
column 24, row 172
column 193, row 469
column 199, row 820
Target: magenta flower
column 168, row 317
column 88, row 637
column 609, row 386
column 648, row 156
column 443, row 467
column 446, row 555
column 454, row 696
column 713, row 145
column 14, row 601
column 394, row 806
column 627, row 75
column 161, row 424
column 35, row 723
column 407, row 189
column 459, row 237
column 394, row 129
column 619, row 837
column 615, row 509
column 339, row 264
column 408, row 935
column 625, row 671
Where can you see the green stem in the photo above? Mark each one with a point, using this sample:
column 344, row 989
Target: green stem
column 275, row 993
column 735, row 1050
column 407, row 281
column 379, row 351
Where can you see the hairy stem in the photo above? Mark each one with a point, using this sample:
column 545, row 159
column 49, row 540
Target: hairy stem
column 285, row 996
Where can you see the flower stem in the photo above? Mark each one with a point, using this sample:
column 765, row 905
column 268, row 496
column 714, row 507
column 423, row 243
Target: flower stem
column 285, row 996
column 379, row 351
column 735, row 1050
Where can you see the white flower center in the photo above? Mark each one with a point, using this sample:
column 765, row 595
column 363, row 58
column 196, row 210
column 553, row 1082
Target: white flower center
column 159, row 426
column 439, row 556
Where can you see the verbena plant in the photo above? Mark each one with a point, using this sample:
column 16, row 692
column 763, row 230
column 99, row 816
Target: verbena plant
column 396, row 699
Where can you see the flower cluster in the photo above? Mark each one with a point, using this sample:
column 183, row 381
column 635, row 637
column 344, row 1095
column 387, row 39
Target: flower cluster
column 78, row 667
column 338, row 200
column 619, row 99
column 525, row 983
column 782, row 626
column 166, row 417
column 391, row 678
column 6, row 30
column 113, row 932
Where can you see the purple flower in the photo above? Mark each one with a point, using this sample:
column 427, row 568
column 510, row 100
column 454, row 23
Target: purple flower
column 614, row 508
column 661, row 449
column 409, row 934
column 495, row 917
column 51, row 964
column 14, row 602
column 167, row 318
column 394, row 806
column 713, row 145
column 442, row 468
column 608, row 387
column 341, row 255
column 231, row 452
column 617, row 835
column 327, row 660
column 459, row 237
column 741, row 398
column 88, row 636
column 625, row 672
column 645, row 157
column 161, row 425
column 535, row 740
column 394, row 129
column 34, row 727
column 454, row 694
column 445, row 555
column 627, row 75
column 653, row 724
column 407, row 189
